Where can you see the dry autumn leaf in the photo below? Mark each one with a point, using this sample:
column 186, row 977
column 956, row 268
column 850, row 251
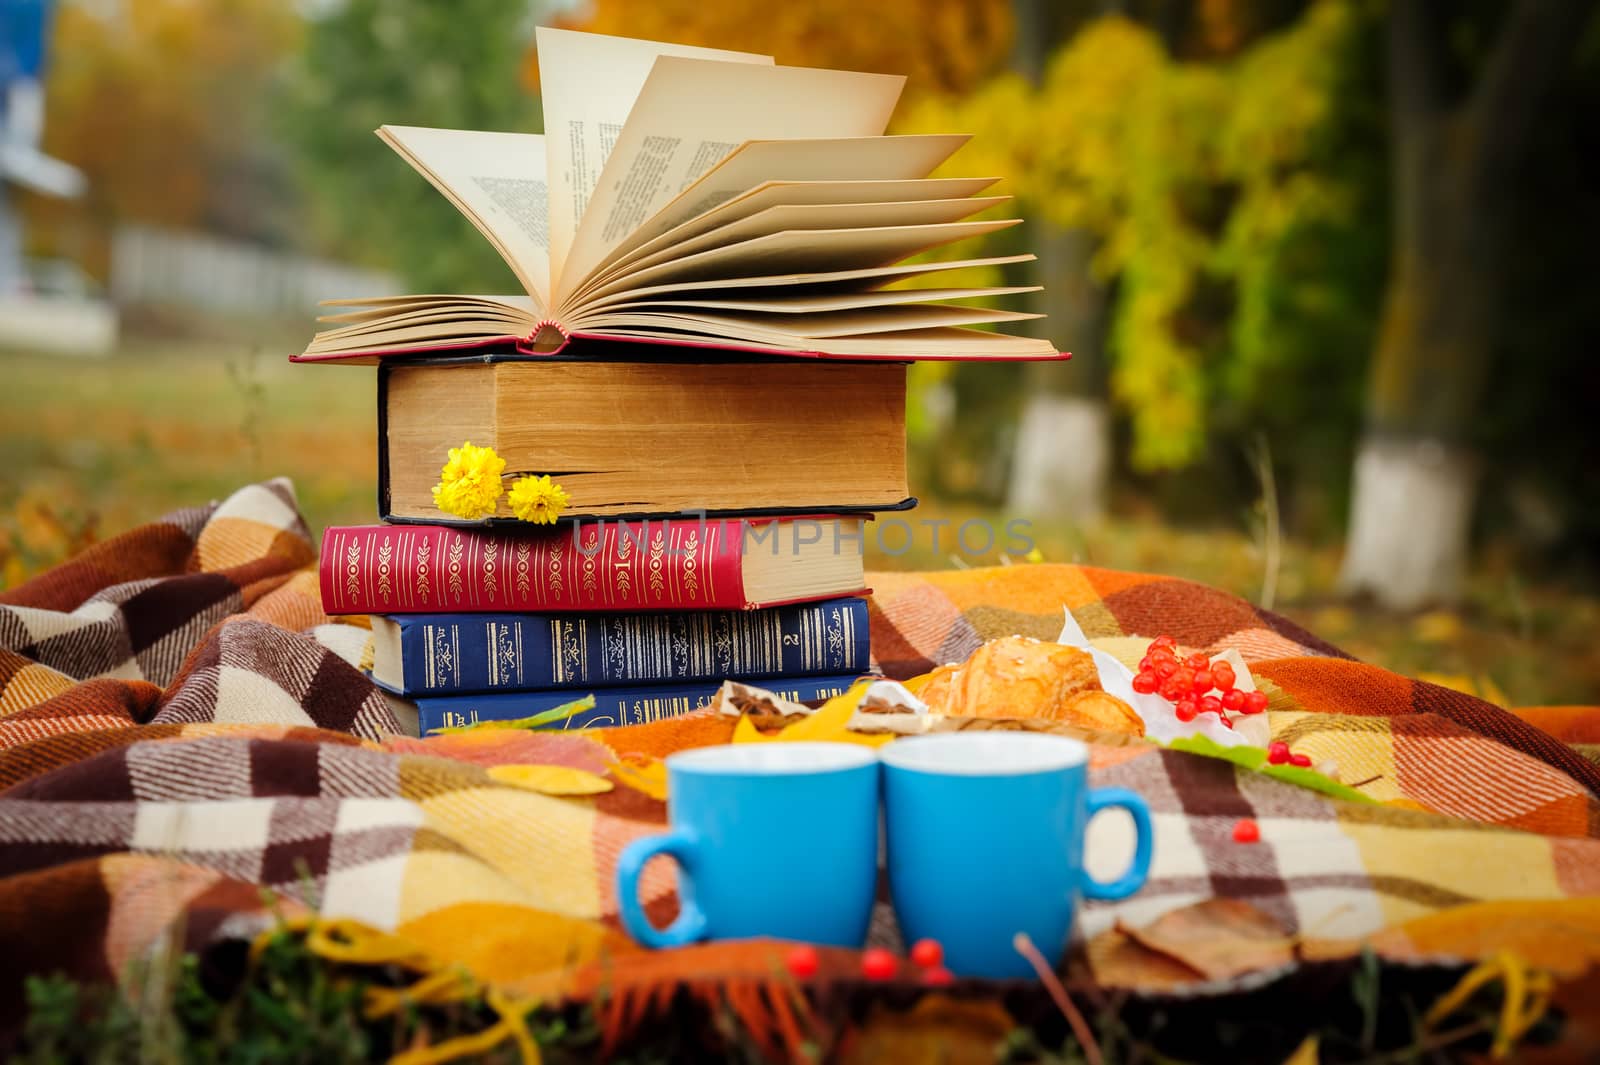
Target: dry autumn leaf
column 648, row 776
column 1305, row 1053
column 1216, row 939
column 551, row 779
column 938, row 1028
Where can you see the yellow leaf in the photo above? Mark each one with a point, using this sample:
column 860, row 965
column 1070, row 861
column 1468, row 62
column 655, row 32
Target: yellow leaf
column 649, row 777
column 917, row 683
column 1305, row 1053
column 551, row 779
column 746, row 732
column 1454, row 681
column 1437, row 626
column 1488, row 689
column 830, row 720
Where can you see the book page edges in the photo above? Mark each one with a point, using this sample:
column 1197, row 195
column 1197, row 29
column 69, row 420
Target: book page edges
column 521, row 346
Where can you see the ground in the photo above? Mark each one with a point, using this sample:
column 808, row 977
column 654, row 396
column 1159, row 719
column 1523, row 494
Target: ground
column 92, row 447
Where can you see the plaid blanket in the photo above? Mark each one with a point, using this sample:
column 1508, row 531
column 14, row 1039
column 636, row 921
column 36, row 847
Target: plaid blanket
column 181, row 727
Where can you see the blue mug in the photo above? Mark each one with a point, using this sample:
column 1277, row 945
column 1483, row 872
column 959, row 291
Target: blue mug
column 986, row 840
column 771, row 839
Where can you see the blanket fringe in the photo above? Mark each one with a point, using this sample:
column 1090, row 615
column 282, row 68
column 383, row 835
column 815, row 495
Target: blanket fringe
column 350, row 942
column 1526, row 997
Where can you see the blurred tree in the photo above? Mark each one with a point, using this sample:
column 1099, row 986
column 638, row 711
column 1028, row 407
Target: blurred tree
column 162, row 104
column 403, row 62
column 1062, row 459
column 1201, row 182
column 940, row 45
column 1063, row 455
column 1461, row 124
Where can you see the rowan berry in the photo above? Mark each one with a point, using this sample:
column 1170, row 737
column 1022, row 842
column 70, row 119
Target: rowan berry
column 927, row 954
column 803, row 962
column 878, row 964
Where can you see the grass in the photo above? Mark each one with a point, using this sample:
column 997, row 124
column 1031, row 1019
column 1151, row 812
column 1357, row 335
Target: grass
column 93, row 447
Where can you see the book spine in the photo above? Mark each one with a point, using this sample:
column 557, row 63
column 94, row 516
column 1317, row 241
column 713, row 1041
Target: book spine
column 470, row 653
column 428, row 569
column 612, row 706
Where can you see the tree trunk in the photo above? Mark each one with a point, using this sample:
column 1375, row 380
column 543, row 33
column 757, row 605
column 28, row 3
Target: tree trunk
column 1411, row 508
column 1062, row 459
column 1409, row 524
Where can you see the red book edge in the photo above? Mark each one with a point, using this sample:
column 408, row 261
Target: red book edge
column 732, row 559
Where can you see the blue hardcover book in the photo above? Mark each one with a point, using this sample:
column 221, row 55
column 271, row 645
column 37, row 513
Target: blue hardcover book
column 612, row 706
column 439, row 654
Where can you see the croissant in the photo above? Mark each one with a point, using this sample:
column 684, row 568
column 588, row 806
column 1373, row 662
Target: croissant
column 1020, row 677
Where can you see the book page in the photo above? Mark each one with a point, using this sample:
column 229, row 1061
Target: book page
column 497, row 181
column 848, row 280
column 797, row 303
column 693, row 112
column 846, row 160
column 913, row 344
column 782, row 328
column 588, row 82
column 806, row 251
column 791, row 216
column 783, row 193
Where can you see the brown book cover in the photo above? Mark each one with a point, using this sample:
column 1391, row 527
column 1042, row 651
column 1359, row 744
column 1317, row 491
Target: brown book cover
column 629, row 439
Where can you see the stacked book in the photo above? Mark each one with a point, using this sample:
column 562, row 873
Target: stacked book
column 708, row 359
column 649, row 616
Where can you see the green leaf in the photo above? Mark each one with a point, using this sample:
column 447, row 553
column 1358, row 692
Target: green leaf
column 1255, row 759
column 547, row 717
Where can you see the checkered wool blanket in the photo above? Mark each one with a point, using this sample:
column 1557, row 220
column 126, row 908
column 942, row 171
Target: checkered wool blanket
column 181, row 726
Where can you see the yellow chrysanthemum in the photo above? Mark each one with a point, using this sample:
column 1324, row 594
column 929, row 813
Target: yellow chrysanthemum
column 538, row 499
column 469, row 483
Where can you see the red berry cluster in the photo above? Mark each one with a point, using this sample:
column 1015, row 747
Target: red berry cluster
column 1188, row 683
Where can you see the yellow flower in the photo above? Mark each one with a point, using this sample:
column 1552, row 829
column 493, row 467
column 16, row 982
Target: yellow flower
column 538, row 499
column 469, row 484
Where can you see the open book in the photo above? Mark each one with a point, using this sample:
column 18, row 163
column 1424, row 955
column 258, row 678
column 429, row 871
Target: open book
column 694, row 196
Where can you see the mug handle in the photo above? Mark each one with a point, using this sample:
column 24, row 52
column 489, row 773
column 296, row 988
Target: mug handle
column 690, row 923
column 1139, row 868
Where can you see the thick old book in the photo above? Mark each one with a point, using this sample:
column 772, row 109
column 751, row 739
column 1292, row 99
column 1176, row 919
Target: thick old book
column 651, row 438
column 464, row 654
column 653, row 564
column 694, row 196
column 635, row 705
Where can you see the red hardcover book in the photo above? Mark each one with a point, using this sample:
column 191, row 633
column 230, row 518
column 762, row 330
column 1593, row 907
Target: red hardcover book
column 656, row 564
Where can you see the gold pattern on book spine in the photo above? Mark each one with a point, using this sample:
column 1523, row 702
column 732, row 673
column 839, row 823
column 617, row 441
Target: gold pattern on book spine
column 691, row 579
column 554, row 582
column 385, row 555
column 490, row 549
column 352, row 572
column 524, row 557
column 454, row 568
column 622, row 568
column 658, row 548
column 590, row 551
column 424, row 548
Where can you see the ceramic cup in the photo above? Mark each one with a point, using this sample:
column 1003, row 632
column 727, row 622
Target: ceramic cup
column 771, row 839
column 985, row 840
